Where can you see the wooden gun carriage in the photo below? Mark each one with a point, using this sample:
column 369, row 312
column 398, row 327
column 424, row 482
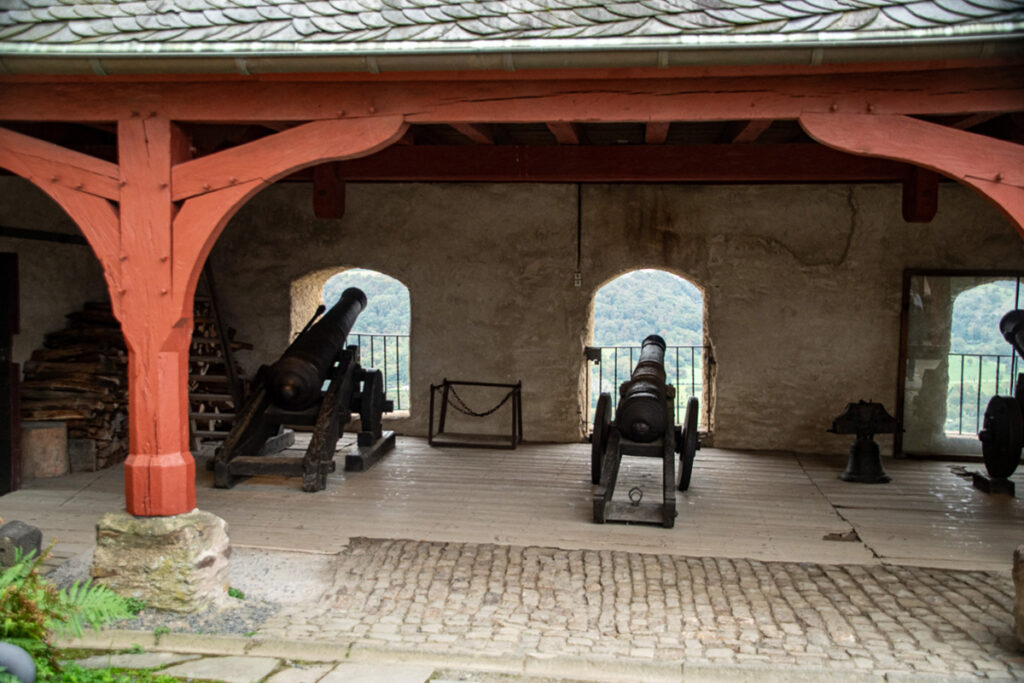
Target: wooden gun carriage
column 290, row 392
column 644, row 425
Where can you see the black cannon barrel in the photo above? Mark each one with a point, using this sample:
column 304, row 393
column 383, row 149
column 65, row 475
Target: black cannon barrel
column 294, row 381
column 641, row 414
column 1012, row 327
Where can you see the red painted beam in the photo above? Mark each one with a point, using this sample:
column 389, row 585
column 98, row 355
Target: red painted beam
column 656, row 132
column 626, row 163
column 565, row 133
column 741, row 97
column 752, row 130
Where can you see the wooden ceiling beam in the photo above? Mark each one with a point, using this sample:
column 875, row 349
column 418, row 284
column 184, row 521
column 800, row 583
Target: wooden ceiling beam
column 620, row 163
column 565, row 133
column 751, row 130
column 955, row 91
column 656, row 132
column 478, row 133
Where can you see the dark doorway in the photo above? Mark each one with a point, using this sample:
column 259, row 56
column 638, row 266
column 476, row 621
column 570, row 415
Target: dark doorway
column 10, row 431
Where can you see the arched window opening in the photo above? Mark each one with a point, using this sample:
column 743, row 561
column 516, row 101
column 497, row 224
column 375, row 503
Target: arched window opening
column 956, row 359
column 382, row 330
column 633, row 306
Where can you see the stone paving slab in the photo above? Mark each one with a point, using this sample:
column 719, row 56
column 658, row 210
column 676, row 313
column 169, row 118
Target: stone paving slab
column 542, row 605
column 232, row 669
column 142, row 660
column 308, row 673
column 374, row 673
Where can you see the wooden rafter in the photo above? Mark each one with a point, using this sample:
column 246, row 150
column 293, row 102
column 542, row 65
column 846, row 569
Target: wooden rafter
column 968, row 122
column 478, row 133
column 751, row 130
column 656, row 132
column 566, row 133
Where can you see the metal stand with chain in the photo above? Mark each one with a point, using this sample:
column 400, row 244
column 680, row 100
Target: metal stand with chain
column 449, row 397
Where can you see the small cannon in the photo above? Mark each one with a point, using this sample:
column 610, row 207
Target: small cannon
column 290, row 392
column 1002, row 432
column 644, row 425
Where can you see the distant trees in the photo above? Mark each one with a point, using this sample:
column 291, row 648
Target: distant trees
column 387, row 307
column 644, row 302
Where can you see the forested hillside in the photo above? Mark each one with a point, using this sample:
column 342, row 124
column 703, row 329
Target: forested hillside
column 645, row 302
column 387, row 307
column 625, row 310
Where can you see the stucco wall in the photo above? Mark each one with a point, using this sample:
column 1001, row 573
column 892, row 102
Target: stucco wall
column 55, row 278
column 801, row 285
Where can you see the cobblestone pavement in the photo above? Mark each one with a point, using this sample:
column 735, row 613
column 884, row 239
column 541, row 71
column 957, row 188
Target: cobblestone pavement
column 493, row 600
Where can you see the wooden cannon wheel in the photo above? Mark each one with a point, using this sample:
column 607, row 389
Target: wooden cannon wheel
column 689, row 444
column 599, row 437
column 1002, row 436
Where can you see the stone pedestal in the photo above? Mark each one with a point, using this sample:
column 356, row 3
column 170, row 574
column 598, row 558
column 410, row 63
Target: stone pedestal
column 1018, row 586
column 44, row 449
column 177, row 563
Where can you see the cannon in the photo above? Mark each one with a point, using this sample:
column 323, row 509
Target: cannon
column 1002, row 432
column 644, row 425
column 291, row 393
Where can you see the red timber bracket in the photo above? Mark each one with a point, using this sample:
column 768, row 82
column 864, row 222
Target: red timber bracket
column 993, row 168
column 152, row 221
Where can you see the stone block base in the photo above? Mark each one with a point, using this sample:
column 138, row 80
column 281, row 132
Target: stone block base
column 17, row 536
column 44, row 449
column 177, row 563
column 1018, row 585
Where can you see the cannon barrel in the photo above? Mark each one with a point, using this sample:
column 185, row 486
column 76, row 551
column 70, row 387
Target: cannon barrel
column 641, row 415
column 1012, row 327
column 295, row 380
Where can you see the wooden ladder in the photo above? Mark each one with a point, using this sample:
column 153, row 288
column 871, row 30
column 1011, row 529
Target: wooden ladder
column 214, row 381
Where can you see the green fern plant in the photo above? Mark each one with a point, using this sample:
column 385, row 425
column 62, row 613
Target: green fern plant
column 32, row 608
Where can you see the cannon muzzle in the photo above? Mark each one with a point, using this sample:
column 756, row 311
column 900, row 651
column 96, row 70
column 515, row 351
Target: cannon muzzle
column 1012, row 327
column 295, row 380
column 641, row 415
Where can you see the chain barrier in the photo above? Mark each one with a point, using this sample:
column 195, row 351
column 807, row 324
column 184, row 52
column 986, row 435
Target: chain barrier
column 455, row 401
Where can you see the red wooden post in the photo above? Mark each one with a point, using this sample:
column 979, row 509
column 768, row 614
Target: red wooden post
column 156, row 318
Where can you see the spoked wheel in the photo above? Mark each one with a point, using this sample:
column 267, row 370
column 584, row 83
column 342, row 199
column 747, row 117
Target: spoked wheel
column 371, row 405
column 1002, row 436
column 599, row 437
column 689, row 444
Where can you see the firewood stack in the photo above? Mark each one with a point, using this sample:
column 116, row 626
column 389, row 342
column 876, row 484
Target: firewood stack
column 80, row 377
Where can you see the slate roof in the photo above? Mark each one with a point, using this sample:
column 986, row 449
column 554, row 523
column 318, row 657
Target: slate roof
column 269, row 26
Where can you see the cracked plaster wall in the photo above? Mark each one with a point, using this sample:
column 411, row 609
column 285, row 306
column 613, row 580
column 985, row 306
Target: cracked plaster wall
column 801, row 286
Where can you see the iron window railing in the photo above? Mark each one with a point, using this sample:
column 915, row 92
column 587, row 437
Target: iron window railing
column 610, row 366
column 974, row 378
column 388, row 353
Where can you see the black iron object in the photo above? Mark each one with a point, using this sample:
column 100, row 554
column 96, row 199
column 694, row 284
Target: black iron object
column 1002, row 433
column 450, row 397
column 290, row 393
column 865, row 419
column 644, row 425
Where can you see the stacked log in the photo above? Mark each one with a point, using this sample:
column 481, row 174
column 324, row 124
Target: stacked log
column 80, row 377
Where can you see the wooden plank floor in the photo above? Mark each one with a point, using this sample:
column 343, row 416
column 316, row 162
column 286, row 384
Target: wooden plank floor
column 764, row 506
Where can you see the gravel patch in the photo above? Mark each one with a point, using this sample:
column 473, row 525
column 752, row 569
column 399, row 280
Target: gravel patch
column 243, row 618
column 268, row 579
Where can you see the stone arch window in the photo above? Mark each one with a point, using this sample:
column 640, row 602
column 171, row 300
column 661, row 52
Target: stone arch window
column 638, row 303
column 956, row 358
column 381, row 331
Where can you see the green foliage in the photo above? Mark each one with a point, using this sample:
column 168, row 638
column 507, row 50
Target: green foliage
column 645, row 302
column 135, row 605
column 31, row 608
column 236, row 593
column 387, row 307
column 161, row 631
